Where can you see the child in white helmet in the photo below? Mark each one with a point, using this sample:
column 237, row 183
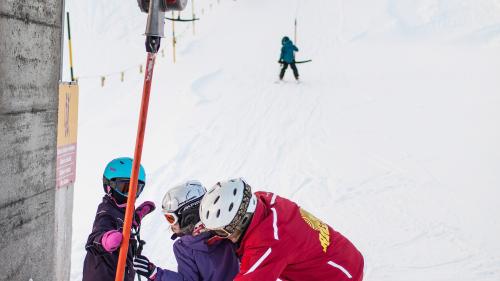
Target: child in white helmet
column 277, row 238
column 197, row 258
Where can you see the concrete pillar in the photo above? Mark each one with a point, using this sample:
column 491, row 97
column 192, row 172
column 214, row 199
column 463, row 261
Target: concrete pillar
column 35, row 218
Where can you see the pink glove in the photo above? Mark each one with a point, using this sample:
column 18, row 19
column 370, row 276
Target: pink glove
column 111, row 240
column 143, row 209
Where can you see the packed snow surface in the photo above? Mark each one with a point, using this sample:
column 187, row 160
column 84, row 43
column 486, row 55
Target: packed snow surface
column 392, row 136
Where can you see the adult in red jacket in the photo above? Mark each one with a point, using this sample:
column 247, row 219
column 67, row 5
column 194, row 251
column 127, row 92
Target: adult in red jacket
column 277, row 238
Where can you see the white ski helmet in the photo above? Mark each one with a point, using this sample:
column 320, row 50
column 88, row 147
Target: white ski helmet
column 180, row 204
column 228, row 206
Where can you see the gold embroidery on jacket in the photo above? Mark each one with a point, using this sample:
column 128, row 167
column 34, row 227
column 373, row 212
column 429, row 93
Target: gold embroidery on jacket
column 318, row 225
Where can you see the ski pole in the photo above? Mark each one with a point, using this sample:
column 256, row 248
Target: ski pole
column 140, row 247
column 174, row 41
column 192, row 10
column 70, row 49
column 295, row 31
column 154, row 32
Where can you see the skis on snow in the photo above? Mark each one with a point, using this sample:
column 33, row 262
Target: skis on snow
column 299, row 61
column 302, row 61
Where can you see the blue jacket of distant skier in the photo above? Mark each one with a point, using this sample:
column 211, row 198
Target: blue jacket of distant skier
column 287, row 50
column 198, row 261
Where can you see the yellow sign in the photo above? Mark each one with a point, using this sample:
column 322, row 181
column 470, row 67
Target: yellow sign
column 318, row 225
column 67, row 124
column 68, row 114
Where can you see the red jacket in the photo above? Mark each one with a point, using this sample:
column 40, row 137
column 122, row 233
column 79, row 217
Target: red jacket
column 284, row 241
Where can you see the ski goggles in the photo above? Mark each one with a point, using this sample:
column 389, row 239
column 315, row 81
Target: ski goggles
column 172, row 217
column 122, row 186
column 177, row 216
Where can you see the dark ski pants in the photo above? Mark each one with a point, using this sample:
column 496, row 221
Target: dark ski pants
column 294, row 68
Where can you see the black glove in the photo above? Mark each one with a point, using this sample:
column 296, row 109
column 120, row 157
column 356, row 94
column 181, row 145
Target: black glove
column 144, row 267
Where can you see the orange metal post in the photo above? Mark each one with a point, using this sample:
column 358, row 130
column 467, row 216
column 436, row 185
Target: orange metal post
column 148, row 77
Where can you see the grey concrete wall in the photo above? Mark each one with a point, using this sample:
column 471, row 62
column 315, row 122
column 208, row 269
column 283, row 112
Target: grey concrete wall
column 63, row 232
column 30, row 58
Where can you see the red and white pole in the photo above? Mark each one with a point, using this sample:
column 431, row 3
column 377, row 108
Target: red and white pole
column 154, row 32
column 127, row 225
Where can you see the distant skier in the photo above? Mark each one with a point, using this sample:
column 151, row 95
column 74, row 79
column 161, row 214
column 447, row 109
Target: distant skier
column 104, row 241
column 277, row 238
column 196, row 259
column 287, row 57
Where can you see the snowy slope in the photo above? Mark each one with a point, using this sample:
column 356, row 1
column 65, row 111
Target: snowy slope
column 392, row 137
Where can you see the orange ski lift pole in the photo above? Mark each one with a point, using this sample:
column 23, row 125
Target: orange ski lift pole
column 154, row 32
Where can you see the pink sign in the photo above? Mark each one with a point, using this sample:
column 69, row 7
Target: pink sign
column 66, row 165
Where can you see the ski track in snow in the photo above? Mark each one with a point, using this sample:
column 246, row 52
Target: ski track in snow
column 391, row 136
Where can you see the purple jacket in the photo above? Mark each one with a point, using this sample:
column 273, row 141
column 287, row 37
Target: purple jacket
column 198, row 261
column 100, row 265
